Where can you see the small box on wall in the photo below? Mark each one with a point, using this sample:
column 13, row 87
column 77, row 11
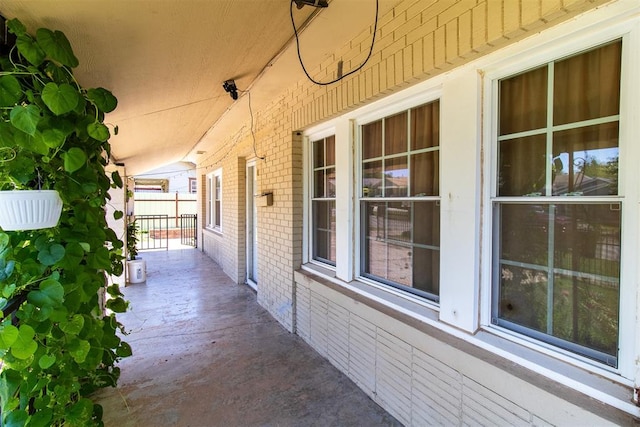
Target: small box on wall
column 264, row 199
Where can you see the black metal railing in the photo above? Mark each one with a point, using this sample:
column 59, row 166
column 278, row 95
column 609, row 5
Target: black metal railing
column 188, row 227
column 153, row 231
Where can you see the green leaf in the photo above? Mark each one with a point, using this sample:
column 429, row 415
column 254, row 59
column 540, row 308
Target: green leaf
column 53, row 138
column 41, row 418
column 78, row 349
column 16, row 27
column 117, row 305
column 10, row 91
column 103, row 99
column 50, row 294
column 57, row 46
column 117, row 179
column 31, row 50
column 86, row 246
column 8, row 335
column 100, row 260
column 46, row 361
column 124, row 350
column 16, row 418
column 4, row 241
column 73, row 256
column 25, row 118
column 98, row 131
column 74, row 159
column 80, row 413
column 51, row 254
column 37, row 144
column 24, row 345
column 8, row 290
column 10, row 381
column 73, row 326
column 117, row 215
column 60, row 99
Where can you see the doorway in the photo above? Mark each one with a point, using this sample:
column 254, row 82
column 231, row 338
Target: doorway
column 252, row 227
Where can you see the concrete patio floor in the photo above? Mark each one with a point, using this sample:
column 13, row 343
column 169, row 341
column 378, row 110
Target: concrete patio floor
column 206, row 354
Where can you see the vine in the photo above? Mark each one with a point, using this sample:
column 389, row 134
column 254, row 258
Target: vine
column 58, row 344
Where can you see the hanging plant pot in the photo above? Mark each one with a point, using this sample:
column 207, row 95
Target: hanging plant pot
column 29, row 209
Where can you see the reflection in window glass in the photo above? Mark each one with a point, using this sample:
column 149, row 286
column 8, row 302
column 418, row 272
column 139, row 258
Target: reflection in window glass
column 402, row 243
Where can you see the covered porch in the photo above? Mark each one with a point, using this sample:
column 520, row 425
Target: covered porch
column 205, row 353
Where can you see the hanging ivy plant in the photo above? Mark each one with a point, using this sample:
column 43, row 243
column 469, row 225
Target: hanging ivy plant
column 57, row 343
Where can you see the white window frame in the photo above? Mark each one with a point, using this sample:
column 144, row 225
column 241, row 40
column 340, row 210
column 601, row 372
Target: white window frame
column 553, row 48
column 309, row 191
column 382, row 113
column 213, row 221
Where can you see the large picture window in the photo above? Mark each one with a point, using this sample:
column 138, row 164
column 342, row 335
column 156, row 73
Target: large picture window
column 323, row 203
column 214, row 200
column 399, row 200
column 557, row 210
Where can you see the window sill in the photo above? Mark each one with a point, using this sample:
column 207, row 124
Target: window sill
column 574, row 383
column 212, row 231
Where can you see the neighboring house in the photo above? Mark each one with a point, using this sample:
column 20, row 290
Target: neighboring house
column 177, row 177
column 404, row 221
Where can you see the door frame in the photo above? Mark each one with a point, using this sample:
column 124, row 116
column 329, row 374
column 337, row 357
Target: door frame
column 251, row 223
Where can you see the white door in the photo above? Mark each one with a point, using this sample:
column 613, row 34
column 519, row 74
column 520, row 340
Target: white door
column 252, row 227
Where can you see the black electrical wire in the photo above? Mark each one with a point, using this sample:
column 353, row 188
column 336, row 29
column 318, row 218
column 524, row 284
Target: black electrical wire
column 373, row 40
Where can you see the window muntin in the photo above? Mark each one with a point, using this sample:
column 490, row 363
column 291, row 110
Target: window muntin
column 214, row 200
column 399, row 200
column 556, row 257
column 323, row 203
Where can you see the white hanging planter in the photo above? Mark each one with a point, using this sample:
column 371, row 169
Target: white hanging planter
column 29, row 209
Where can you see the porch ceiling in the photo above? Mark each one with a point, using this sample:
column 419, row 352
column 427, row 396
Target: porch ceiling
column 166, row 60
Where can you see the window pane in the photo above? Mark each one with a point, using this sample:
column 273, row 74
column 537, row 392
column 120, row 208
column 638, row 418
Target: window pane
column 572, row 295
column 217, row 213
column 395, row 134
column 324, row 231
column 523, row 296
column 425, row 174
column 331, row 151
column 587, row 238
column 372, row 140
column 522, row 169
column 401, row 244
column 426, row 223
column 396, row 174
column 319, row 182
column 587, row 86
column 586, row 160
column 524, row 233
column 331, row 182
column 318, row 153
column 398, row 219
column 372, row 179
column 426, row 270
column 399, row 263
column 523, row 102
column 425, row 126
column 585, row 312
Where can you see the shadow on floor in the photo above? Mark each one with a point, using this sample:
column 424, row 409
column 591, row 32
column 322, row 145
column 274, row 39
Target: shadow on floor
column 206, row 354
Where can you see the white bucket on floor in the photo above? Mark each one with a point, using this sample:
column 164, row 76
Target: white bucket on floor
column 137, row 270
